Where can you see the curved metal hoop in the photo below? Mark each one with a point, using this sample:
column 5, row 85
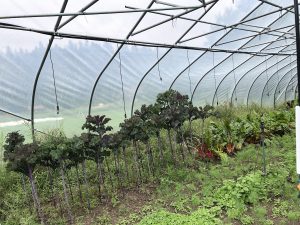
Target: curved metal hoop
column 251, row 86
column 262, row 94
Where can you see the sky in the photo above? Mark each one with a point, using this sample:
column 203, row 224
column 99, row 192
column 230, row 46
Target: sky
column 114, row 25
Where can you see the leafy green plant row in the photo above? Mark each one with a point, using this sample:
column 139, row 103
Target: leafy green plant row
column 114, row 159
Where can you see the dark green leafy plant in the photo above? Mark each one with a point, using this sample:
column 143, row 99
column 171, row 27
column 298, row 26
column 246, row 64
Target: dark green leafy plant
column 146, row 113
column 97, row 127
column 174, row 110
column 133, row 129
column 55, row 153
column 21, row 158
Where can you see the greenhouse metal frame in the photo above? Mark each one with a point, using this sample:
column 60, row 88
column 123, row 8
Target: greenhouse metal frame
column 275, row 60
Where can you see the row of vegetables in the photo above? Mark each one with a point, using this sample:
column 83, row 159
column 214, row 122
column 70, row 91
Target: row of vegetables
column 139, row 149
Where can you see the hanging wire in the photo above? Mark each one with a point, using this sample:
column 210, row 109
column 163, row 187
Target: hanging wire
column 215, row 78
column 234, row 76
column 277, row 70
column 291, row 68
column 85, row 17
column 174, row 22
column 122, row 84
column 189, row 70
column 158, row 68
column 268, row 93
column 54, row 83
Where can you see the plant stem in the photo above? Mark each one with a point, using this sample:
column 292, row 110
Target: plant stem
column 52, row 187
column 202, row 131
column 86, row 184
column 159, row 145
column 125, row 162
column 79, row 184
column 109, row 173
column 25, row 191
column 150, row 158
column 139, row 174
column 62, row 173
column 117, row 166
column 100, row 179
column 180, row 133
column 35, row 196
column 191, row 137
column 171, row 146
column 69, row 184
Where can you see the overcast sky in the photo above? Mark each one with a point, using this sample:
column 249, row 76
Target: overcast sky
column 114, row 25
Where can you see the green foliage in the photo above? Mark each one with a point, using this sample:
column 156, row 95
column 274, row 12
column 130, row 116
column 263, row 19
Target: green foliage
column 174, row 108
column 19, row 157
column 246, row 220
column 96, row 140
column 199, row 217
column 12, row 140
column 97, row 124
column 205, row 112
column 134, row 129
column 195, row 192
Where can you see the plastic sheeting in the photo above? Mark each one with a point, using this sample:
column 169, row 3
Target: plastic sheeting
column 124, row 80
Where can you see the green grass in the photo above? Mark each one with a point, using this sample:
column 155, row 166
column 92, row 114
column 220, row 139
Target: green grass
column 233, row 192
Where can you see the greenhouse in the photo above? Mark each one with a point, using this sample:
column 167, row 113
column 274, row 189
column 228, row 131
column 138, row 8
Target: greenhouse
column 149, row 112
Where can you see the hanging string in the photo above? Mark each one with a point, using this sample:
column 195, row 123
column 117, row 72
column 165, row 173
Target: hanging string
column 158, row 68
column 234, row 76
column 54, row 83
column 214, row 71
column 291, row 68
column 122, row 84
column 174, row 22
column 85, row 17
column 189, row 70
column 204, row 4
column 268, row 94
column 277, row 70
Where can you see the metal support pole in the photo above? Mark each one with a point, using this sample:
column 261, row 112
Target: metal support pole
column 41, row 67
column 296, row 10
column 81, row 10
column 116, row 52
column 62, row 14
column 261, row 74
column 140, row 43
column 297, row 44
column 15, row 115
column 270, row 78
column 262, row 142
column 235, row 24
column 165, row 54
column 170, row 19
column 215, row 24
